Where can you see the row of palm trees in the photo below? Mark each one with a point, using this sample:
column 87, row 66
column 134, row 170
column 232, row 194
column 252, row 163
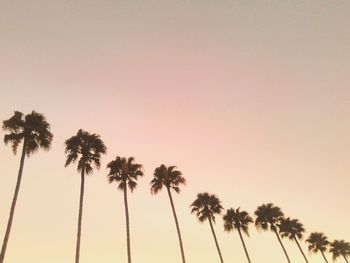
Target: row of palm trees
column 86, row 149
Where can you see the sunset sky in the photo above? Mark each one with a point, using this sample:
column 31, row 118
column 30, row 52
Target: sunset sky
column 249, row 99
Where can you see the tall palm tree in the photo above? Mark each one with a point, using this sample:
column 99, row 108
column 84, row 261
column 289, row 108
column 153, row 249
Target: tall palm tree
column 87, row 149
column 340, row 248
column 268, row 217
column 318, row 242
column 34, row 131
column 206, row 206
column 294, row 230
column 125, row 172
column 239, row 220
column 171, row 179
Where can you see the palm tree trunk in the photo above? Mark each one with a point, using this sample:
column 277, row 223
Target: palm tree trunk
column 13, row 205
column 346, row 259
column 216, row 241
column 302, row 252
column 177, row 226
column 127, row 221
column 245, row 249
column 81, row 202
column 325, row 259
column 279, row 239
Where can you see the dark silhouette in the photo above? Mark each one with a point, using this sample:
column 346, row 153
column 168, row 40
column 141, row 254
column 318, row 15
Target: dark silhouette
column 340, row 248
column 171, row 179
column 125, row 172
column 34, row 131
column 294, row 230
column 318, row 242
column 268, row 217
column 239, row 220
column 87, row 149
column 205, row 207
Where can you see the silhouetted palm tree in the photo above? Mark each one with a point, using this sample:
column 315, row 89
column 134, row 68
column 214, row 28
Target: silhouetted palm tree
column 239, row 220
column 125, row 172
column 318, row 242
column 340, row 248
column 205, row 207
column 294, row 230
column 87, row 149
column 268, row 217
column 171, row 179
column 34, row 131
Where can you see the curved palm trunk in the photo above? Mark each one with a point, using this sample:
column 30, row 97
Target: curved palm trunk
column 13, row 205
column 81, row 203
column 284, row 250
column 216, row 241
column 127, row 222
column 324, row 257
column 245, row 249
column 302, row 252
column 177, row 226
column 346, row 259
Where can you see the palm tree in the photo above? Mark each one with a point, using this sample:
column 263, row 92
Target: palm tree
column 171, row 179
column 340, row 248
column 268, row 217
column 125, row 172
column 87, row 149
column 318, row 242
column 205, row 207
column 294, row 230
column 239, row 220
column 34, row 131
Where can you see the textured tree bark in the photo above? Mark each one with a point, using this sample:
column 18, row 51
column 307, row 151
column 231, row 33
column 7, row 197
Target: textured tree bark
column 13, row 205
column 177, row 226
column 216, row 241
column 81, row 203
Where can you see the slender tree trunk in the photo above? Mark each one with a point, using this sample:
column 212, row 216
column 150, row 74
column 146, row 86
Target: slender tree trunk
column 13, row 205
column 245, row 249
column 302, row 252
column 127, row 221
column 324, row 257
column 81, row 203
column 177, row 226
column 216, row 241
column 284, row 250
column 346, row 259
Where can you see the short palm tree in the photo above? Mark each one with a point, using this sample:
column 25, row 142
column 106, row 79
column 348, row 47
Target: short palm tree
column 238, row 220
column 125, row 172
column 206, row 206
column 171, row 179
column 318, row 242
column 87, row 149
column 294, row 230
column 268, row 217
column 34, row 131
column 340, row 248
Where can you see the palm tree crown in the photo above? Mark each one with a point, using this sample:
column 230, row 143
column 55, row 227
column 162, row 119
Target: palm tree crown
column 32, row 128
column 340, row 248
column 268, row 217
column 125, row 172
column 236, row 219
column 168, row 177
column 88, row 147
column 317, row 242
column 291, row 228
column 206, row 206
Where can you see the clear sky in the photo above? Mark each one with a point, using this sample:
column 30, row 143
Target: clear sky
column 250, row 99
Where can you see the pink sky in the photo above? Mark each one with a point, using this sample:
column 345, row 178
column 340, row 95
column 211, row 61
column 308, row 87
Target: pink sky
column 250, row 100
